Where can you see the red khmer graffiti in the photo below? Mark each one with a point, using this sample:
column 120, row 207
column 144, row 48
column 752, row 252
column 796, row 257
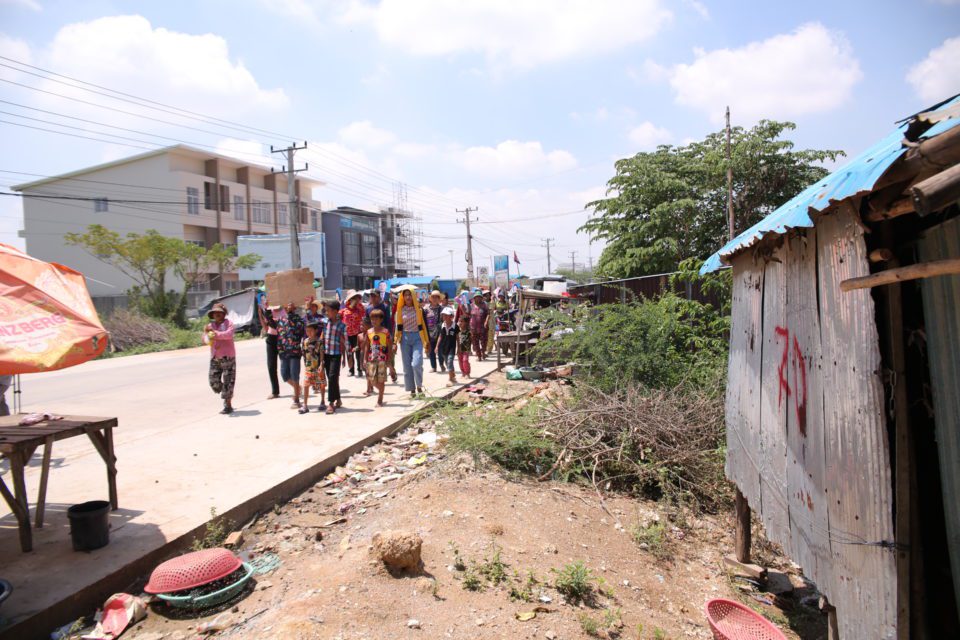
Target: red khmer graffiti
column 799, row 377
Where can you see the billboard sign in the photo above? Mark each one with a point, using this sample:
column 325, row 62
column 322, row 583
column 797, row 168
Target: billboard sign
column 501, row 271
column 274, row 252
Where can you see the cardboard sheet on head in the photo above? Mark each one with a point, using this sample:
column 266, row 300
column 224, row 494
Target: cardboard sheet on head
column 294, row 285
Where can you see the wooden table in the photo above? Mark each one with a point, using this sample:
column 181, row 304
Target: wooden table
column 18, row 444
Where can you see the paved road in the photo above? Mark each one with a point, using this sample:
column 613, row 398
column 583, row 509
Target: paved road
column 176, row 456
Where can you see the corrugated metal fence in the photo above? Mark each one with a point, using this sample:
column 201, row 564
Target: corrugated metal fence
column 806, row 435
column 630, row 289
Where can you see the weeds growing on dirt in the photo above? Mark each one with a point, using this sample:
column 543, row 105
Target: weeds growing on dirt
column 653, row 536
column 493, row 568
column 215, row 532
column 575, row 581
column 512, row 439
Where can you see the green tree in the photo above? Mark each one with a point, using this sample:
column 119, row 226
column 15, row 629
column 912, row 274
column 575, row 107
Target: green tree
column 671, row 204
column 148, row 259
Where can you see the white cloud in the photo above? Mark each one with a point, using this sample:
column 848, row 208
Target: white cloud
column 512, row 158
column 363, row 134
column 191, row 71
column 811, row 70
column 699, row 7
column 15, row 48
column 32, row 5
column 937, row 76
column 646, row 136
column 521, row 34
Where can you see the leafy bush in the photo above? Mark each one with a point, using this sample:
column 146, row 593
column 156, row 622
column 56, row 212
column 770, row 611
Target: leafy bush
column 575, row 581
column 512, row 439
column 658, row 343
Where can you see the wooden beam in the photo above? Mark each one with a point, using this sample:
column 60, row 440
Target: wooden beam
column 891, row 305
column 902, row 274
column 881, row 255
column 936, row 192
column 937, row 153
column 895, row 209
column 743, row 536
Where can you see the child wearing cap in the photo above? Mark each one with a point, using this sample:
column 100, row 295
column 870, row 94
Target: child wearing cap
column 313, row 377
column 223, row 355
column 446, row 343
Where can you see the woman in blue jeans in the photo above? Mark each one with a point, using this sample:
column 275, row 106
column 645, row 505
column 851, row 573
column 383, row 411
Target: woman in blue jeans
column 411, row 335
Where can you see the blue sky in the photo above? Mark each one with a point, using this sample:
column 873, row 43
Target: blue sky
column 518, row 107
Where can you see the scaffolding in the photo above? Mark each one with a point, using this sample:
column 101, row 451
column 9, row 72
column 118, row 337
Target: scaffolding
column 402, row 237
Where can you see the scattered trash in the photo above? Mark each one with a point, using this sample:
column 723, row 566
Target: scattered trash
column 523, row 616
column 264, row 563
column 413, row 624
column 223, row 621
column 119, row 612
column 234, row 540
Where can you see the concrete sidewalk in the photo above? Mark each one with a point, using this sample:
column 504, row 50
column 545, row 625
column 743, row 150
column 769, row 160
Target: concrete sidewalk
column 177, row 459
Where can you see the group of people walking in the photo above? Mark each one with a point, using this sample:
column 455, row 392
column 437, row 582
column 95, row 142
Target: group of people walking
column 312, row 344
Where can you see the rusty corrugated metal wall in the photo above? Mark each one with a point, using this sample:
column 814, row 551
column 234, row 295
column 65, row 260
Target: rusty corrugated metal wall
column 941, row 312
column 806, row 434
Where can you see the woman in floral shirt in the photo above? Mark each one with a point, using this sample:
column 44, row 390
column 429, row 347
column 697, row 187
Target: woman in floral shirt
column 352, row 315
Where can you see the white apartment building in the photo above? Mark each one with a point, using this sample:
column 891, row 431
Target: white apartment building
column 179, row 191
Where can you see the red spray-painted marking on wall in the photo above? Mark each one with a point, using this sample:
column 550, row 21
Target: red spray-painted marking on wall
column 799, row 389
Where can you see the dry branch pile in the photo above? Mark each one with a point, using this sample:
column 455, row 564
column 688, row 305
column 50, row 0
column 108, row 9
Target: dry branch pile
column 665, row 443
column 131, row 329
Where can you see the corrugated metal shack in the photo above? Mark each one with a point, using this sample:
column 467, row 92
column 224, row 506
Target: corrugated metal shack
column 843, row 399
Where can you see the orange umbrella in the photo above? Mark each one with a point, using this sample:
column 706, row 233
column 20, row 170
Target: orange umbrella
column 47, row 319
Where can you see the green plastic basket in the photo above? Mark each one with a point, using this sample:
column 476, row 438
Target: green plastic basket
column 211, row 599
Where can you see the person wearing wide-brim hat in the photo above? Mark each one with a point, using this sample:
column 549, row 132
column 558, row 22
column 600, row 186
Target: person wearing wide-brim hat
column 223, row 355
column 352, row 314
column 411, row 335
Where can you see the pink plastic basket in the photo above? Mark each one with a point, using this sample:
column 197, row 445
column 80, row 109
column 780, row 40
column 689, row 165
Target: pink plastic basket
column 731, row 620
column 192, row 570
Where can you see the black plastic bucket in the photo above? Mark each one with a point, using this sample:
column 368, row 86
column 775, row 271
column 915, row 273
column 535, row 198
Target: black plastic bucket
column 89, row 525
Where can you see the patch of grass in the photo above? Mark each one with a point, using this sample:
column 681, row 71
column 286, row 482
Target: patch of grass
column 216, row 531
column 494, row 568
column 653, row 536
column 575, row 581
column 590, row 625
column 523, row 590
column 512, row 439
column 609, row 625
column 659, row 634
column 472, row 580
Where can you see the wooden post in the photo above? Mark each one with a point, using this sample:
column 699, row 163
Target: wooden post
column 892, row 309
column 833, row 630
column 743, row 529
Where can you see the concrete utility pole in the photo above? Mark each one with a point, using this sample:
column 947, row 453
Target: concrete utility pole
column 293, row 203
column 730, row 222
column 573, row 262
column 546, row 244
column 466, row 213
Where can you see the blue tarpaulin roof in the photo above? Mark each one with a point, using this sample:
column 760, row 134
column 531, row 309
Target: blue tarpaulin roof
column 856, row 177
column 417, row 281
